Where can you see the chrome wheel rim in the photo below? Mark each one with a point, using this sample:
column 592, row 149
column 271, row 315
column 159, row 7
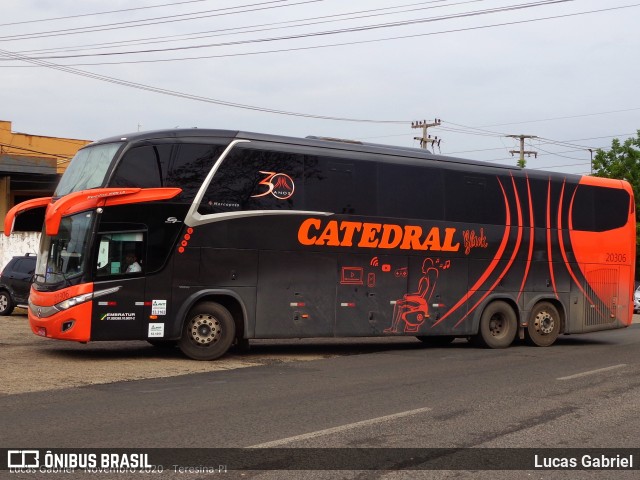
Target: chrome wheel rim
column 205, row 329
column 543, row 323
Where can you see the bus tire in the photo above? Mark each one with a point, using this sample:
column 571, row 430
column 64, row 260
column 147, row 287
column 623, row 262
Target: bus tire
column 208, row 332
column 498, row 325
column 436, row 340
column 6, row 304
column 544, row 323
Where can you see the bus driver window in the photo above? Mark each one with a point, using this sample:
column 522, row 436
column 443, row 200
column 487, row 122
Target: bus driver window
column 118, row 253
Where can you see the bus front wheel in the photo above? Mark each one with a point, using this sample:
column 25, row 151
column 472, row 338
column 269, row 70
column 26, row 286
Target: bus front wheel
column 544, row 325
column 208, row 332
column 498, row 325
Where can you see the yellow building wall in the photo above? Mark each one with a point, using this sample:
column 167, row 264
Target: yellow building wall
column 58, row 150
column 23, row 144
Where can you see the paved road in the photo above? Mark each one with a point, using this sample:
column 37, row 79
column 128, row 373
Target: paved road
column 582, row 392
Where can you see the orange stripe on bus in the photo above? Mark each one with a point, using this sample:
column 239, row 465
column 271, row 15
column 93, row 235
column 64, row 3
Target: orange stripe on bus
column 564, row 255
column 492, row 266
column 531, row 239
column 513, row 254
column 549, row 252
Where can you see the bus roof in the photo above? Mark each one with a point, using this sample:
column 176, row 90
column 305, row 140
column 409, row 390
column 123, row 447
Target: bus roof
column 311, row 141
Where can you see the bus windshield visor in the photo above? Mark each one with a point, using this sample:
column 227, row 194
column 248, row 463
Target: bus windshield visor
column 88, row 169
column 64, row 256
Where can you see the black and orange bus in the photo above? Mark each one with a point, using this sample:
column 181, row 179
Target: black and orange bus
column 203, row 238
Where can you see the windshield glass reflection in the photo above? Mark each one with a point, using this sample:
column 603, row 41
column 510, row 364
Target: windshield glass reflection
column 63, row 256
column 87, row 169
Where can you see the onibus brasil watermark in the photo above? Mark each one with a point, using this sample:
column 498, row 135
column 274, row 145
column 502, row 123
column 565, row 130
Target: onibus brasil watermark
column 34, row 461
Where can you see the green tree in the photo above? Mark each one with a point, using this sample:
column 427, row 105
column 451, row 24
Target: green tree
column 622, row 161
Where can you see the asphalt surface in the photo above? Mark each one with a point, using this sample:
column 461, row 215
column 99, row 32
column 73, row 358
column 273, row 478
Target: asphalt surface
column 583, row 392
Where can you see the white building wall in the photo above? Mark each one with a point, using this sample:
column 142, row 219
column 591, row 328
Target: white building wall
column 18, row 243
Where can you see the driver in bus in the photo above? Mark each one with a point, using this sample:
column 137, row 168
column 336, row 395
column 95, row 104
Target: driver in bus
column 132, row 263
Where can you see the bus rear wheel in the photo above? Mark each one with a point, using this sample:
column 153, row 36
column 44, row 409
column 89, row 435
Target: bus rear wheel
column 498, row 325
column 544, row 325
column 208, row 332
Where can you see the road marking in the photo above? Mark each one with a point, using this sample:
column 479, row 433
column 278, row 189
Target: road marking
column 592, row 372
column 341, row 428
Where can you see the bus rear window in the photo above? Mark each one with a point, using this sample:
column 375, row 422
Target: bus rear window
column 598, row 209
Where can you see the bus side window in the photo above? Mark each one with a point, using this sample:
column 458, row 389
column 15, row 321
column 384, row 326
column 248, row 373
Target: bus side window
column 255, row 179
column 406, row 191
column 190, row 166
column 473, row 198
column 340, row 186
column 141, row 167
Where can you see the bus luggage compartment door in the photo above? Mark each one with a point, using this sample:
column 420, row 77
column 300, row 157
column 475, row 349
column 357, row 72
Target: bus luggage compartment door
column 368, row 288
column 296, row 294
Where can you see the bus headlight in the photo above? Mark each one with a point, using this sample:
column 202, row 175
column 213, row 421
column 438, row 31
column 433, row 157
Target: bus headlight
column 72, row 302
column 78, row 299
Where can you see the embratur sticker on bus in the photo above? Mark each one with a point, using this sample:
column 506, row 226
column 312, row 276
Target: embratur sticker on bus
column 118, row 316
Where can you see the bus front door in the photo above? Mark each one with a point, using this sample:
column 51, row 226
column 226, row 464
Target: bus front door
column 120, row 314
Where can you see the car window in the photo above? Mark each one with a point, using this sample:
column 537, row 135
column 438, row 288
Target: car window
column 25, row 265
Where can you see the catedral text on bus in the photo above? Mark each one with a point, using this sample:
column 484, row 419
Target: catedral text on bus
column 206, row 238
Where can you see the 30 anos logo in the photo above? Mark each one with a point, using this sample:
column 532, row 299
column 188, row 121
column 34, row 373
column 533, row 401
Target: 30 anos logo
column 280, row 185
column 23, row 458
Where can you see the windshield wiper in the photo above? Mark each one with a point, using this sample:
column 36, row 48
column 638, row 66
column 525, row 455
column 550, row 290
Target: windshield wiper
column 67, row 283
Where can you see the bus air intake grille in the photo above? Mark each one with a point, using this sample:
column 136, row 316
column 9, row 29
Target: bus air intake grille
column 602, row 285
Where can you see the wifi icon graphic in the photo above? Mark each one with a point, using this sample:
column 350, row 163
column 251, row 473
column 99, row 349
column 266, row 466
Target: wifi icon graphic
column 374, row 262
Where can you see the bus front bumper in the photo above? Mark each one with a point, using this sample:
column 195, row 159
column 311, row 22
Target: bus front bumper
column 65, row 314
column 72, row 324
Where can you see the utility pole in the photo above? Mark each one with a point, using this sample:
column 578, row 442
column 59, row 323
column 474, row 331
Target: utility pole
column 591, row 150
column 522, row 151
column 425, row 139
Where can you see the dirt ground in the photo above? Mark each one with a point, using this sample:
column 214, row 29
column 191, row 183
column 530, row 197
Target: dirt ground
column 29, row 363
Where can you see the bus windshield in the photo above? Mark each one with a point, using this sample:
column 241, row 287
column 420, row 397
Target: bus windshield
column 87, row 169
column 64, row 255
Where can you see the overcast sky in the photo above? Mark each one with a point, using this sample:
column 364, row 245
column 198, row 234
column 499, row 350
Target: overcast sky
column 565, row 71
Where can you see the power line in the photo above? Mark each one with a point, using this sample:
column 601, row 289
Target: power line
column 557, row 154
column 152, row 21
column 13, row 147
column 566, row 117
column 314, row 34
column 100, row 13
column 359, row 42
column 188, row 96
column 257, row 28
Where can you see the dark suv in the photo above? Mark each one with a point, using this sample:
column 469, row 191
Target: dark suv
column 15, row 282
